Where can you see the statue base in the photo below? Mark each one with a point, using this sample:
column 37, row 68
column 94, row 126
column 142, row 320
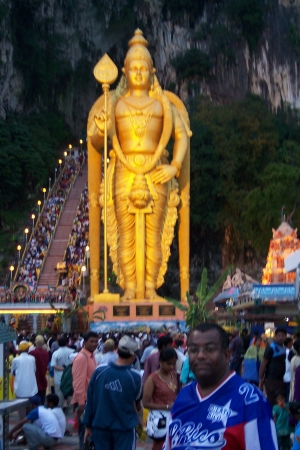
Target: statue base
column 106, row 314
column 107, row 297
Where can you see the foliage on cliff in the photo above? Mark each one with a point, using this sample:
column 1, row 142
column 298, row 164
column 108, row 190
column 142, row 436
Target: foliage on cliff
column 245, row 167
column 29, row 147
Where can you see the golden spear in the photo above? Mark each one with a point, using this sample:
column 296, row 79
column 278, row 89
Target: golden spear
column 106, row 73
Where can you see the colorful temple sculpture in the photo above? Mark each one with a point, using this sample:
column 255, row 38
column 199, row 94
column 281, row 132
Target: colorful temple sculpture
column 283, row 244
column 274, row 299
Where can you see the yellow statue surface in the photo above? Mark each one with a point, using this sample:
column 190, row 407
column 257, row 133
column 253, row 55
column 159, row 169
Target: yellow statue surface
column 146, row 187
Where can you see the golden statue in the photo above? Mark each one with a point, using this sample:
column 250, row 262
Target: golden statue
column 144, row 190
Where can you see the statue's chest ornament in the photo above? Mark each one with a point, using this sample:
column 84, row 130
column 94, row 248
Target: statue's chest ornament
column 139, row 116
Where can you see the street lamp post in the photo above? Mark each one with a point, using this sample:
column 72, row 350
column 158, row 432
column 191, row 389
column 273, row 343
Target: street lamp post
column 55, row 170
column 81, row 142
column 19, row 250
column 87, row 252
column 11, row 272
column 33, row 217
column 49, row 184
column 60, row 162
column 65, row 155
column 39, row 205
column 44, row 192
column 83, row 269
column 26, row 231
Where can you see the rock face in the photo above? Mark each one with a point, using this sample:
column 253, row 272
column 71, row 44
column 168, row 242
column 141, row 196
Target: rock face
column 85, row 29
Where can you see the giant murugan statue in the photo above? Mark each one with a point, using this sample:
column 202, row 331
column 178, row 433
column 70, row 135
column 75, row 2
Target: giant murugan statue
column 145, row 190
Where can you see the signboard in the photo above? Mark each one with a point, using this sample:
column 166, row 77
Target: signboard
column 166, row 310
column 121, row 311
column 144, row 310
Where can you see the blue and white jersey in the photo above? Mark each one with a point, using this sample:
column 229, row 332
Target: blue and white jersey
column 235, row 416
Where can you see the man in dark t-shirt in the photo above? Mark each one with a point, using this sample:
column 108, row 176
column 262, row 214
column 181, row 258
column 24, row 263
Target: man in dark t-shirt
column 41, row 362
column 272, row 368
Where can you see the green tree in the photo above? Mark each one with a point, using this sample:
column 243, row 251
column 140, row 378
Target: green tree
column 231, row 146
column 197, row 312
column 29, row 147
column 279, row 186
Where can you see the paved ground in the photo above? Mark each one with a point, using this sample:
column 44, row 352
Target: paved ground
column 69, row 442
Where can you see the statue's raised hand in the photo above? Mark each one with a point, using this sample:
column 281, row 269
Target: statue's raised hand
column 163, row 173
column 100, row 121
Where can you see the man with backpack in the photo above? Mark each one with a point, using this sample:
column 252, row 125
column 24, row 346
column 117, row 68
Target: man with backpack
column 60, row 360
column 83, row 368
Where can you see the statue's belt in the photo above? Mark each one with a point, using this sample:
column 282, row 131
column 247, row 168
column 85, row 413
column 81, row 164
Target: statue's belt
column 137, row 160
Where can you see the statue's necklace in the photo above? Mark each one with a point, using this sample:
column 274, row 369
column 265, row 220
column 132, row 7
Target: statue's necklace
column 139, row 120
column 138, row 103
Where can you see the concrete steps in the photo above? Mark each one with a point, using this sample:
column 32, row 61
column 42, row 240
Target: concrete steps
column 64, row 228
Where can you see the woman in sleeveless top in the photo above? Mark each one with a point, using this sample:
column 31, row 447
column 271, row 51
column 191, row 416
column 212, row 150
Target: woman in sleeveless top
column 161, row 387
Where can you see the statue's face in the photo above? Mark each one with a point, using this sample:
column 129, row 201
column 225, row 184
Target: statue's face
column 138, row 74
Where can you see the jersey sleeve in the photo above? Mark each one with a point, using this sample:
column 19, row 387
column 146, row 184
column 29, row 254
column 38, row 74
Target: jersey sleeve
column 259, row 427
column 260, row 434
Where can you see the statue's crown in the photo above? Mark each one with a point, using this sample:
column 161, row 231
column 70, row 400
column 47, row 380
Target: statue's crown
column 138, row 49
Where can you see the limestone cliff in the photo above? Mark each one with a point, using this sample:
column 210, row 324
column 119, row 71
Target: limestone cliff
column 48, row 49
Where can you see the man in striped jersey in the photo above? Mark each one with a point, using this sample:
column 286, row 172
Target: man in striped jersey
column 219, row 410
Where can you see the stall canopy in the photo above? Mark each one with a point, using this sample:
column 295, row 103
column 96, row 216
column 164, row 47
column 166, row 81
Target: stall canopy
column 275, row 292
column 229, row 293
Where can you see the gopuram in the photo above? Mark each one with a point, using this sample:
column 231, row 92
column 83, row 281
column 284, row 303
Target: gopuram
column 144, row 189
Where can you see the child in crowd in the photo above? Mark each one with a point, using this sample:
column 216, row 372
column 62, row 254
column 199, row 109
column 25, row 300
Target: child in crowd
column 295, row 411
column 281, row 417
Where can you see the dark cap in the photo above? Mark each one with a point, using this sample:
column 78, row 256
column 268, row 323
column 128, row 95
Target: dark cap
column 128, row 345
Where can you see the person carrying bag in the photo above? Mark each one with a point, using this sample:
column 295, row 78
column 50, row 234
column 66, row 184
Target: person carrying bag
column 160, row 391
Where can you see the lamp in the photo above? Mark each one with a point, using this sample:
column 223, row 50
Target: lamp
column 65, row 155
column 11, row 271
column 87, row 252
column 33, row 217
column 19, row 250
column 81, row 142
column 44, row 192
column 26, row 231
column 39, row 205
column 83, row 269
column 60, row 162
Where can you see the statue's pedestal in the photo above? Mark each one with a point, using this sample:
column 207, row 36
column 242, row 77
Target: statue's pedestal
column 107, row 297
column 109, row 313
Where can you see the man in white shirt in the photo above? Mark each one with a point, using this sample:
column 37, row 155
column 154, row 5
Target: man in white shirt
column 59, row 361
column 42, row 426
column 23, row 370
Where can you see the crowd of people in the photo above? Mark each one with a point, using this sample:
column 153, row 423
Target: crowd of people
column 31, row 265
column 23, row 295
column 76, row 250
column 188, row 385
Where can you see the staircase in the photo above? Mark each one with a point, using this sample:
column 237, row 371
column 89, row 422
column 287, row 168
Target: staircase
column 61, row 237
